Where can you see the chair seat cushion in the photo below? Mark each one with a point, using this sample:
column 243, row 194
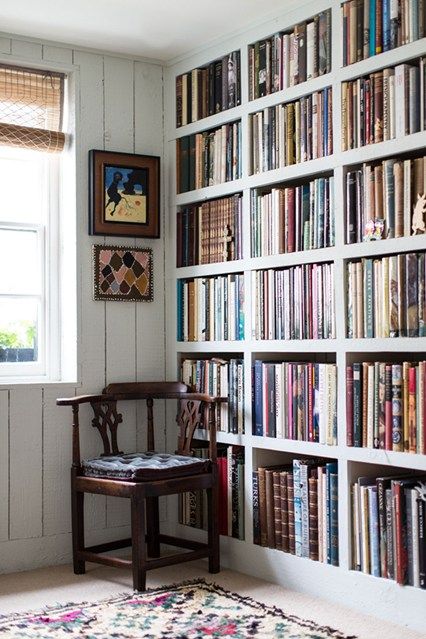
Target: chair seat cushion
column 144, row 466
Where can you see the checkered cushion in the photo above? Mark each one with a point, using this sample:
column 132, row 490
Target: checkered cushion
column 144, row 466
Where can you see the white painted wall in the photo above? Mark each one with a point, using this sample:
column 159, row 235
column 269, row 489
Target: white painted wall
column 119, row 105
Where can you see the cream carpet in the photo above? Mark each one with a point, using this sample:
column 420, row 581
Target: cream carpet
column 33, row 590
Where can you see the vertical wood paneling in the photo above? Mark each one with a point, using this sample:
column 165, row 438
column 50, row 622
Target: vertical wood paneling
column 120, row 316
column 4, row 465
column 57, row 451
column 25, row 463
column 40, row 437
column 24, row 49
column 92, row 329
column 150, row 352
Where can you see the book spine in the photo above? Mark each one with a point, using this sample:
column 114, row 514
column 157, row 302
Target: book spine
column 297, row 508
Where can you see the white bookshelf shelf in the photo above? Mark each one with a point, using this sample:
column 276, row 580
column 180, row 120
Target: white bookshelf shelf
column 371, row 595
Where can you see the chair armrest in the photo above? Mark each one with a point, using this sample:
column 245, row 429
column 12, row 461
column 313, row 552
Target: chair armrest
column 81, row 399
column 201, row 397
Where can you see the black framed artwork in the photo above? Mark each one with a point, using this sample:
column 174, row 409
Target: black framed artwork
column 124, row 194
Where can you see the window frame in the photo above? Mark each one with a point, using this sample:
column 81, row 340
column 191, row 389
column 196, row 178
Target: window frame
column 47, row 368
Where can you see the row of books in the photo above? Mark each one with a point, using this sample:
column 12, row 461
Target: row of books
column 295, row 509
column 382, row 199
column 295, row 400
column 286, row 59
column 207, row 90
column 209, row 232
column 295, row 218
column 293, row 303
column 386, row 296
column 385, row 105
column 211, row 308
column 373, row 26
column 220, row 378
column 208, row 158
column 388, row 528
column 292, row 132
column 193, row 505
column 386, row 406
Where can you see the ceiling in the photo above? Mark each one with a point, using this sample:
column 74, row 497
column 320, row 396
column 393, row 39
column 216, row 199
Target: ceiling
column 162, row 29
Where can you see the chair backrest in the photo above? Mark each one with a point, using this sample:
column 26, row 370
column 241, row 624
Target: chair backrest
column 191, row 414
column 194, row 410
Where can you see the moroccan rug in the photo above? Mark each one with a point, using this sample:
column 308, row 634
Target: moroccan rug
column 191, row 610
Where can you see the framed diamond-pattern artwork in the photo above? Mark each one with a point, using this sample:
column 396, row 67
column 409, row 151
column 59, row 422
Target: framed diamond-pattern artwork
column 122, row 273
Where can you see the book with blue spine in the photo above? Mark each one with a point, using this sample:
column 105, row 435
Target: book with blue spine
column 372, row 34
column 373, row 520
column 386, row 25
column 330, row 469
column 179, row 299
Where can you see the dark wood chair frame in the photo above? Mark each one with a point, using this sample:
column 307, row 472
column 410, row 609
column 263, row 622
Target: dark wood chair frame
column 194, row 410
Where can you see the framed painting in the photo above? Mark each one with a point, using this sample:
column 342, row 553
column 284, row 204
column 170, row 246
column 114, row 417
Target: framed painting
column 124, row 194
column 122, row 273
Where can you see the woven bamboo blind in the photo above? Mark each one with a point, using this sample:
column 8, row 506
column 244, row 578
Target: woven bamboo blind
column 31, row 108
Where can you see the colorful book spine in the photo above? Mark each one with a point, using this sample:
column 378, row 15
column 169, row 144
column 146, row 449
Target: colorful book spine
column 386, row 24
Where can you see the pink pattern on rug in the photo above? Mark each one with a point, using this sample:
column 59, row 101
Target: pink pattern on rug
column 69, row 616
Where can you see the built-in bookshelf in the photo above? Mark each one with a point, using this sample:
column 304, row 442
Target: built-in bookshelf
column 290, row 57
column 371, row 27
column 321, row 227
column 209, row 89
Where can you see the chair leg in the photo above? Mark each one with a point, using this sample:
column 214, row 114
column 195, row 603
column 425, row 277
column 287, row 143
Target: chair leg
column 138, row 542
column 77, row 515
column 153, row 526
column 213, row 528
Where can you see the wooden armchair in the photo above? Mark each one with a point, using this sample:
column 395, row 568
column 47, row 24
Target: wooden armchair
column 144, row 477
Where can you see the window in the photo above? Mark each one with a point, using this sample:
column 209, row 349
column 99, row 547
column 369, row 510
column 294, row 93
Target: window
column 31, row 139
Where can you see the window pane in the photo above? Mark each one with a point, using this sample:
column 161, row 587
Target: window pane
column 19, row 331
column 21, row 189
column 19, row 262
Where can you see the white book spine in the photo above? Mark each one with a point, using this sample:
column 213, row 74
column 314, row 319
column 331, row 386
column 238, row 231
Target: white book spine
column 400, row 100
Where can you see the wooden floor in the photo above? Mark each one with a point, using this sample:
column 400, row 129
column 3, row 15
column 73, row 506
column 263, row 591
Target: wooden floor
column 45, row 586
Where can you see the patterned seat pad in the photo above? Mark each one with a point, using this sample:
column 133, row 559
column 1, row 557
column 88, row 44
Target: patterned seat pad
column 144, row 466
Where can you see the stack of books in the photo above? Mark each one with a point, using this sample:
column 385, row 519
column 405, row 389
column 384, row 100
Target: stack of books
column 209, row 232
column 193, row 505
column 293, row 303
column 374, row 26
column 382, row 199
column 292, row 132
column 220, row 378
column 286, row 59
column 207, row 90
column 385, row 105
column 295, row 509
column 295, row 400
column 388, row 528
column 386, row 406
column 386, row 296
column 295, row 218
column 211, row 308
column 208, row 158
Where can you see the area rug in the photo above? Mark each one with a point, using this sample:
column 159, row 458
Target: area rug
column 189, row 610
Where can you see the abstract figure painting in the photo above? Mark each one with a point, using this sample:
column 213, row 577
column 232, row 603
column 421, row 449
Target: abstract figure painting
column 124, row 194
column 122, row 273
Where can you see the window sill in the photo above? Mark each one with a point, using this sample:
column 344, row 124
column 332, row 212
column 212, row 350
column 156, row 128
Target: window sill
column 36, row 382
